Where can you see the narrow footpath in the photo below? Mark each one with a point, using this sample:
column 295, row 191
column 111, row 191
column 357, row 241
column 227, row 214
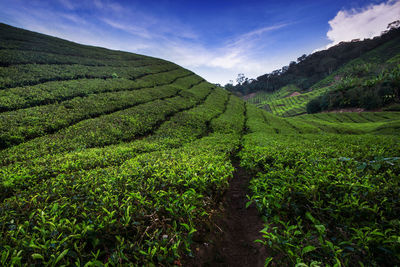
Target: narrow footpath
column 230, row 242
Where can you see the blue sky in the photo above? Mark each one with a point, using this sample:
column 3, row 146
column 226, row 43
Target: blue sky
column 216, row 39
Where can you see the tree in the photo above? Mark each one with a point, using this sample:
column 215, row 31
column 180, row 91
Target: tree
column 303, row 57
column 394, row 25
column 229, row 87
column 276, row 72
column 314, row 106
column 240, row 78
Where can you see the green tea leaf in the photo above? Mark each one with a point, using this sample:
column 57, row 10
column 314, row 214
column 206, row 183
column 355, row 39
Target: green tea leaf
column 37, row 256
column 308, row 249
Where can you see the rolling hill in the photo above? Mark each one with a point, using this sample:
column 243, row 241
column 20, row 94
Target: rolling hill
column 360, row 74
column 118, row 159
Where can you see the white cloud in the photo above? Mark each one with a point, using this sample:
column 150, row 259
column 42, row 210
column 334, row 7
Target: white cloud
column 362, row 23
column 240, row 54
column 163, row 37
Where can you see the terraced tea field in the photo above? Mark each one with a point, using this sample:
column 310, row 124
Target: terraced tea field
column 293, row 105
column 117, row 159
column 260, row 99
column 283, row 103
column 327, row 188
column 374, row 71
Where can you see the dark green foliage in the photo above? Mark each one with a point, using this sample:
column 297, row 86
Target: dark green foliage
column 368, row 81
column 394, row 107
column 32, row 74
column 314, row 106
column 313, row 68
column 328, row 199
column 111, row 171
column 51, row 92
column 352, row 92
column 123, row 171
column 23, row 124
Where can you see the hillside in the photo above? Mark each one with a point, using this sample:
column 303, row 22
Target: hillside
column 118, row 159
column 367, row 78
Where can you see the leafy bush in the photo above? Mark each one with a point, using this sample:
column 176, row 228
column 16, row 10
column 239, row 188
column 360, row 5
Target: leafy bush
column 314, row 106
column 327, row 198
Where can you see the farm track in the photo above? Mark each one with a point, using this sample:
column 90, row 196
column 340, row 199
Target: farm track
column 108, row 112
column 230, row 241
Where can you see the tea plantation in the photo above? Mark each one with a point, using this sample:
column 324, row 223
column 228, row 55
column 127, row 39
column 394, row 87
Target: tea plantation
column 117, row 159
column 370, row 82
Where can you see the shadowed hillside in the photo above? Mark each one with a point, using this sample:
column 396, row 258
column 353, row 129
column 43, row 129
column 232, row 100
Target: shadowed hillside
column 357, row 74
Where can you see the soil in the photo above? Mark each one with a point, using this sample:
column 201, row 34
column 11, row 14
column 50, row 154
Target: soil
column 337, row 78
column 294, row 94
column 358, row 110
column 345, row 110
column 230, row 241
column 251, row 95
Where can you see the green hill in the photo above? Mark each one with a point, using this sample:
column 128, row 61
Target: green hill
column 362, row 74
column 113, row 158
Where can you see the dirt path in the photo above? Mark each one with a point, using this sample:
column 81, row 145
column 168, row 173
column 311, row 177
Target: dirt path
column 230, row 242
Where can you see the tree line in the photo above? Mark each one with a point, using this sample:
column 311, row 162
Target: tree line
column 309, row 69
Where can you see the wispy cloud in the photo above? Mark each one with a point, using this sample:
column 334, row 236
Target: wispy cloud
column 74, row 18
column 238, row 51
column 167, row 38
column 115, row 7
column 249, row 45
column 250, row 36
column 67, row 4
column 236, row 55
column 138, row 31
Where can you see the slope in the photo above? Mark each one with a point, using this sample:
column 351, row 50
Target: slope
column 112, row 158
column 327, row 187
column 106, row 156
column 367, row 81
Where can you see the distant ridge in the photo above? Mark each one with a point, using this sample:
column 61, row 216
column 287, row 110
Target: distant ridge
column 366, row 70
